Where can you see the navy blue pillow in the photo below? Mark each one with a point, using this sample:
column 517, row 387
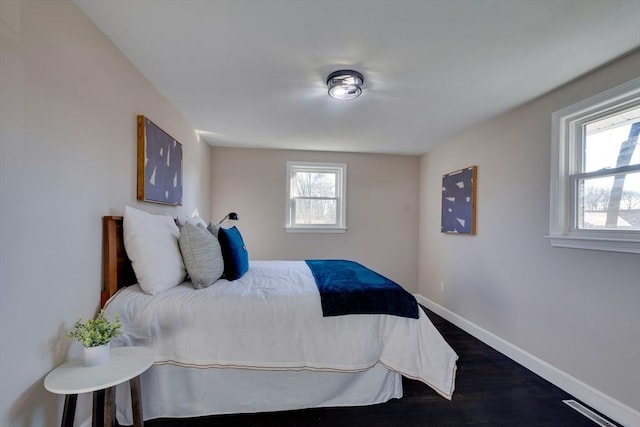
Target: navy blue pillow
column 234, row 253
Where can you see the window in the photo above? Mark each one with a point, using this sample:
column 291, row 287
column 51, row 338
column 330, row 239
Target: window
column 316, row 197
column 595, row 177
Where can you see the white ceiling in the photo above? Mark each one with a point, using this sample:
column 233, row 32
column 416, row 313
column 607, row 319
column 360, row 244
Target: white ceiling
column 253, row 73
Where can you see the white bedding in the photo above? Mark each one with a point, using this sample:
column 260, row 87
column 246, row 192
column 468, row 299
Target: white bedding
column 170, row 391
column 271, row 319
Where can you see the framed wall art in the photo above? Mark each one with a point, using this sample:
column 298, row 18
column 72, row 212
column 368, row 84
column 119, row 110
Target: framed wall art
column 159, row 165
column 459, row 201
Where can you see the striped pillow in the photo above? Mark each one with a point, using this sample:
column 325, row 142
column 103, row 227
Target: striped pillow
column 201, row 254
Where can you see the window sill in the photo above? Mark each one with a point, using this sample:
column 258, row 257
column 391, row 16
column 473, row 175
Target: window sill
column 631, row 246
column 315, row 230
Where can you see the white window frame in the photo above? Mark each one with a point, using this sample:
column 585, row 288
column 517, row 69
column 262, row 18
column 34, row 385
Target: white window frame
column 566, row 164
column 340, row 169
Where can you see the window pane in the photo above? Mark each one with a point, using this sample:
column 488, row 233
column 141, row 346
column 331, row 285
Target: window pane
column 313, row 184
column 314, row 211
column 316, row 201
column 606, row 141
column 611, row 202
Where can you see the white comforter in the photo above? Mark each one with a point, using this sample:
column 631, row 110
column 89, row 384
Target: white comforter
column 271, row 319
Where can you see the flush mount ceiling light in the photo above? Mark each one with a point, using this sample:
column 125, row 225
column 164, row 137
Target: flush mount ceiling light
column 345, row 84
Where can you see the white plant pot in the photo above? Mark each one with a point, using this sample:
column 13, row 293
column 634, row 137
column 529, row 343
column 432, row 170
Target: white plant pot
column 94, row 356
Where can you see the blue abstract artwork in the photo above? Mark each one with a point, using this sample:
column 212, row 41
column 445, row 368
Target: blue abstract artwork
column 159, row 165
column 459, row 201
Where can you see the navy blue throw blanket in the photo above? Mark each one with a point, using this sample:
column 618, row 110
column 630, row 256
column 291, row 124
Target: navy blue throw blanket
column 347, row 287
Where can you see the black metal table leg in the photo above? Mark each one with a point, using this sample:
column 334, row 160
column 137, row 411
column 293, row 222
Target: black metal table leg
column 97, row 418
column 69, row 411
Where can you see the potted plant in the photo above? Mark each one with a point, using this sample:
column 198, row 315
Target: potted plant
column 95, row 336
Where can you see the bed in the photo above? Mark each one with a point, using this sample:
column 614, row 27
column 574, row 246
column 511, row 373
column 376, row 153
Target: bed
column 262, row 343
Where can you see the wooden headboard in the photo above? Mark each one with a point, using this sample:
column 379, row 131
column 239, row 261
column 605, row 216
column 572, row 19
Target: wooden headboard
column 117, row 271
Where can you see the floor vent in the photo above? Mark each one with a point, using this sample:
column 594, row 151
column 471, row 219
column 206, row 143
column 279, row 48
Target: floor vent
column 589, row 414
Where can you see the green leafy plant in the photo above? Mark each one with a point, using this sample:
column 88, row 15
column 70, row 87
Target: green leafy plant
column 98, row 331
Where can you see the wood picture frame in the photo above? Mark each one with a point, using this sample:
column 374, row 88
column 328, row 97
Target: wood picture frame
column 459, row 198
column 159, row 165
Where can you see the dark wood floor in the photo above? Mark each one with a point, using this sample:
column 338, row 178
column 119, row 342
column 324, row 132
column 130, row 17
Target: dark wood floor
column 491, row 390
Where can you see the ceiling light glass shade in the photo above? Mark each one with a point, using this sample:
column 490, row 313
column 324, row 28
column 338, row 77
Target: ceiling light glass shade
column 345, row 84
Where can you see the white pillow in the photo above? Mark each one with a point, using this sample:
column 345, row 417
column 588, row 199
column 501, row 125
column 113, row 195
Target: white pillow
column 201, row 254
column 213, row 228
column 151, row 242
column 195, row 220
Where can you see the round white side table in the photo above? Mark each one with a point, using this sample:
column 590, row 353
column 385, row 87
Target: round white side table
column 72, row 378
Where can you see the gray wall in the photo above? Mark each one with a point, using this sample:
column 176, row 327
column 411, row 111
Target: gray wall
column 68, row 109
column 577, row 310
column 382, row 208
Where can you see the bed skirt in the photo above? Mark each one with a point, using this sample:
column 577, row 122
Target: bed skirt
column 170, row 391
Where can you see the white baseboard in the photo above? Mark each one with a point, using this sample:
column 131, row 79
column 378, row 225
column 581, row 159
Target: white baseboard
column 608, row 406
